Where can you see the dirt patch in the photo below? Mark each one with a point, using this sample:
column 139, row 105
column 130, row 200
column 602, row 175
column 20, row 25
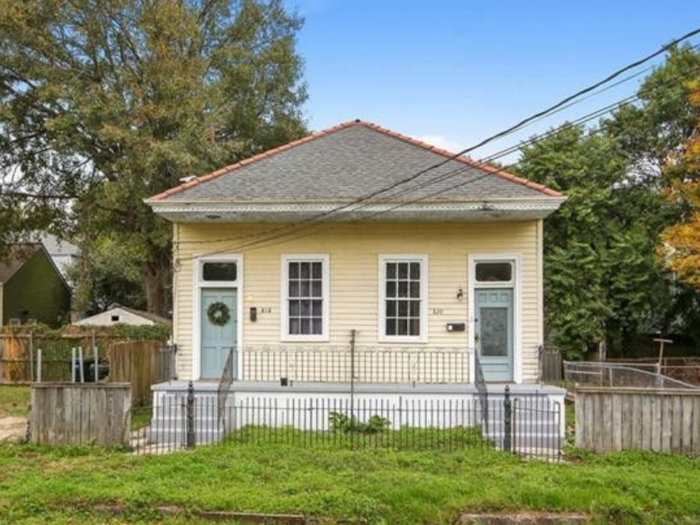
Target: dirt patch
column 12, row 428
column 524, row 518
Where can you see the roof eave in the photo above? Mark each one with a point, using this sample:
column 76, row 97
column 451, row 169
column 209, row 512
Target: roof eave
column 474, row 210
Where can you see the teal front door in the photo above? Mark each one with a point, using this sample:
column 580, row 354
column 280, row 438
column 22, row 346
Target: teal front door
column 217, row 340
column 494, row 333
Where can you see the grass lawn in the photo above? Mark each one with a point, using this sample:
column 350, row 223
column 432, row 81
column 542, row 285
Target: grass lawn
column 14, row 401
column 39, row 485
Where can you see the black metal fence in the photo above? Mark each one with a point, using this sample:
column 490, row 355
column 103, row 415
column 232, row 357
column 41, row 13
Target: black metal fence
column 528, row 425
column 362, row 364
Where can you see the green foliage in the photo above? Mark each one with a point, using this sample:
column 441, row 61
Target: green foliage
column 602, row 280
column 340, row 422
column 373, row 486
column 156, row 332
column 103, row 104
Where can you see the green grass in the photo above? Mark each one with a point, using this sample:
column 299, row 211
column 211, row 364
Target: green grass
column 379, row 486
column 14, row 401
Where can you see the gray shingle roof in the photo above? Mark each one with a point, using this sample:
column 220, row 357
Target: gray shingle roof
column 346, row 163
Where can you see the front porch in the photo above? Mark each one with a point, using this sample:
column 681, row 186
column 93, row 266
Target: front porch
column 526, row 419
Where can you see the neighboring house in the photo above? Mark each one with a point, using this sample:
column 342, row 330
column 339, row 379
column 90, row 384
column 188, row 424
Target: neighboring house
column 63, row 253
column 296, row 264
column 32, row 289
column 122, row 315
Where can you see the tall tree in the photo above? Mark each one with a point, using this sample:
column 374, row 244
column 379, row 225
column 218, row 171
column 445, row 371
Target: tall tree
column 602, row 280
column 680, row 249
column 106, row 102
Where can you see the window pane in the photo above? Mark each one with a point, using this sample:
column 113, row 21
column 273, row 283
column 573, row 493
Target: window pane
column 403, row 289
column 403, row 308
column 415, row 270
column 414, row 327
column 304, row 288
column 391, row 308
column 494, row 331
column 293, row 270
column 390, row 327
column 305, row 270
column 305, row 308
column 294, row 308
column 494, row 272
column 414, row 309
column 316, row 289
column 317, row 273
column 294, row 326
column 317, row 308
column 415, row 290
column 305, row 326
column 391, row 289
column 403, row 327
column 391, row 270
column 317, row 326
column 403, row 270
column 219, row 271
column 293, row 288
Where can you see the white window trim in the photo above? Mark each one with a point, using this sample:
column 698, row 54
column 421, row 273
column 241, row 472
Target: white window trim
column 198, row 285
column 425, row 276
column 324, row 258
column 516, row 286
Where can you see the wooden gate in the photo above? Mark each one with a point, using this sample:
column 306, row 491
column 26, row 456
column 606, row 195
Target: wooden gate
column 142, row 364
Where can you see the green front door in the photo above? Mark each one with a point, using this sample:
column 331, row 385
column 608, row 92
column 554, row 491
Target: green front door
column 217, row 340
column 494, row 333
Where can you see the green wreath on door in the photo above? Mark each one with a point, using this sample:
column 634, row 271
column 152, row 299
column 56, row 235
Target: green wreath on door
column 218, row 313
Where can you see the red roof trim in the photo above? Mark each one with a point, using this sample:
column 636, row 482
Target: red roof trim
column 319, row 134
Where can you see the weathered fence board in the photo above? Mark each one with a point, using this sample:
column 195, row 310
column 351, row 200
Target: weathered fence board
column 662, row 420
column 78, row 414
column 141, row 363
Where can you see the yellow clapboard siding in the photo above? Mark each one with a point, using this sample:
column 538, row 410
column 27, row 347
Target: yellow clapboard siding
column 354, row 251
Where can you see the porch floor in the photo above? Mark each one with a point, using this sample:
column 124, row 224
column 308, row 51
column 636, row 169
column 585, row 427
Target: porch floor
column 205, row 386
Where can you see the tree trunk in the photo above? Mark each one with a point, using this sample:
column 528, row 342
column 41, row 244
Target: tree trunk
column 156, row 278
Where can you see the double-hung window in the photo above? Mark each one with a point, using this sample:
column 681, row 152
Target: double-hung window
column 404, row 298
column 305, row 297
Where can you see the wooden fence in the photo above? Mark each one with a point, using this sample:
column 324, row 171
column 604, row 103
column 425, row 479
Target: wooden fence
column 551, row 364
column 662, row 420
column 142, row 364
column 18, row 353
column 79, row 414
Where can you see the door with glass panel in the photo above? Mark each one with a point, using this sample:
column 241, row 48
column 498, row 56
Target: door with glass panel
column 494, row 325
column 494, row 333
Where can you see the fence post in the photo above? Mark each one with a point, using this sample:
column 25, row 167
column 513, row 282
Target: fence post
column 352, row 372
column 507, row 421
column 38, row 365
column 190, row 416
column 31, row 357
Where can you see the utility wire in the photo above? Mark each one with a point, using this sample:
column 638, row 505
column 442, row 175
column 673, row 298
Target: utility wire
column 586, row 118
column 555, row 108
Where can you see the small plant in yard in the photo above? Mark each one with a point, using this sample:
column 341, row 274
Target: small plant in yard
column 344, row 423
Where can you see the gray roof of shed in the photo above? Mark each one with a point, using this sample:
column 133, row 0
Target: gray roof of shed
column 348, row 162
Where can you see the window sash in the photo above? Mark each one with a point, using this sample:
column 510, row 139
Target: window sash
column 305, row 298
column 403, row 312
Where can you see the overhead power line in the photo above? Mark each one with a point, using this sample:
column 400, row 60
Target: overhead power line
column 453, row 173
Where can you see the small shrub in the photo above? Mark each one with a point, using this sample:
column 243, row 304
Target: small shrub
column 343, row 423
